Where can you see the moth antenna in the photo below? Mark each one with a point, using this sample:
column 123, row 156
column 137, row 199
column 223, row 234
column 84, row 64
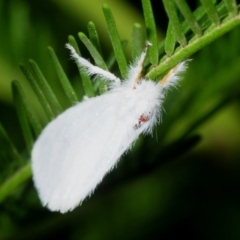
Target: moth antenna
column 93, row 70
column 143, row 56
column 173, row 76
column 136, row 69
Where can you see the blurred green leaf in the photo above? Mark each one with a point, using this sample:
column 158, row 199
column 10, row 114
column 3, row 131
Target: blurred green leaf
column 115, row 39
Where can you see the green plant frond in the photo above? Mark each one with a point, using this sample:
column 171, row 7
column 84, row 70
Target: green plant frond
column 38, row 92
column 211, row 11
column 22, row 115
column 213, row 31
column 93, row 35
column 170, row 41
column 72, row 41
column 93, row 51
column 176, row 26
column 208, row 91
column 137, row 40
column 150, row 31
column 184, row 38
column 25, row 108
column 189, row 17
column 116, row 42
column 111, row 60
column 63, row 79
column 231, row 6
column 45, row 88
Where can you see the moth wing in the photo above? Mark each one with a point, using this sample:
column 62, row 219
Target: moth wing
column 78, row 148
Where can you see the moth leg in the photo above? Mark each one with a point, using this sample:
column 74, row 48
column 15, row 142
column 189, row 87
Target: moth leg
column 136, row 69
column 173, row 76
column 91, row 69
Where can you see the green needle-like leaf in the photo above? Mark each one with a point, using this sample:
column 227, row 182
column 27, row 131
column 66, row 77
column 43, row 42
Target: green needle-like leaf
column 137, row 40
column 93, row 51
column 211, row 11
column 151, row 31
column 30, row 113
column 46, row 89
column 116, row 42
column 193, row 46
column 72, row 41
column 231, row 6
column 112, row 58
column 93, row 35
column 22, row 116
column 62, row 77
column 170, row 40
column 39, row 93
column 175, row 23
column 189, row 17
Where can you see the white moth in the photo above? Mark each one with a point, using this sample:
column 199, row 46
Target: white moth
column 78, row 148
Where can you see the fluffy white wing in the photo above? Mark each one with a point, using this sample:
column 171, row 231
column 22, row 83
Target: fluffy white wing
column 78, row 148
